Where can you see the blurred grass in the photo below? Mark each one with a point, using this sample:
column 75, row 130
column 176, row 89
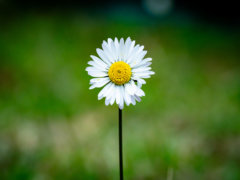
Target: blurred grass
column 53, row 127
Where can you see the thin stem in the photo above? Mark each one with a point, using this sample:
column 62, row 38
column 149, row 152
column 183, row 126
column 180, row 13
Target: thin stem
column 120, row 144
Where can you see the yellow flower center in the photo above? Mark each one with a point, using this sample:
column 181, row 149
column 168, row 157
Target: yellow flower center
column 119, row 73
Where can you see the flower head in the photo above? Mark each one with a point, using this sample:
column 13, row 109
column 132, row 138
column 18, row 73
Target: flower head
column 121, row 68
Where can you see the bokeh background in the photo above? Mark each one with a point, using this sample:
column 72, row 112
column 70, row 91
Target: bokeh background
column 53, row 127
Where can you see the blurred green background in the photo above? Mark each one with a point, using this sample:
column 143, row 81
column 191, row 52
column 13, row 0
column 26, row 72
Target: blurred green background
column 53, row 127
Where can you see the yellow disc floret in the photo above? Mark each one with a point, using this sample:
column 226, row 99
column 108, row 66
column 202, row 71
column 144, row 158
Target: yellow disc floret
column 120, row 73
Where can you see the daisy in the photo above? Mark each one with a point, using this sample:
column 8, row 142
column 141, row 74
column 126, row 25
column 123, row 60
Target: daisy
column 120, row 69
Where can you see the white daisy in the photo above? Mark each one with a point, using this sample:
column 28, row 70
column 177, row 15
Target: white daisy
column 121, row 68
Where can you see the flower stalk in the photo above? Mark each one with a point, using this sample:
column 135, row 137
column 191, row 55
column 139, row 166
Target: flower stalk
column 120, row 143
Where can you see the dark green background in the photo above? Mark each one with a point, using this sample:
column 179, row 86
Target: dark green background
column 53, row 127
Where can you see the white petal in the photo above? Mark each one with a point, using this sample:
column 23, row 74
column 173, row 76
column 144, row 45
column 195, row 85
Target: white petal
column 133, row 100
column 139, row 92
column 137, row 98
column 130, row 50
column 90, row 68
column 140, row 81
column 113, row 96
column 93, row 69
column 141, row 69
column 99, row 61
column 116, row 44
column 129, row 89
column 126, row 48
column 95, row 65
column 118, row 95
column 133, row 86
column 99, row 84
column 96, row 80
column 138, row 58
column 107, row 51
column 121, row 104
column 104, row 90
column 132, row 55
column 97, row 74
column 136, row 51
column 109, row 40
column 113, row 50
column 145, row 74
column 103, row 56
column 143, row 63
column 127, row 97
column 110, row 93
column 121, row 49
column 107, row 101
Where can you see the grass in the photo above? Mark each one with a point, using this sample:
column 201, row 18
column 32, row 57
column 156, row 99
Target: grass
column 53, row 127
